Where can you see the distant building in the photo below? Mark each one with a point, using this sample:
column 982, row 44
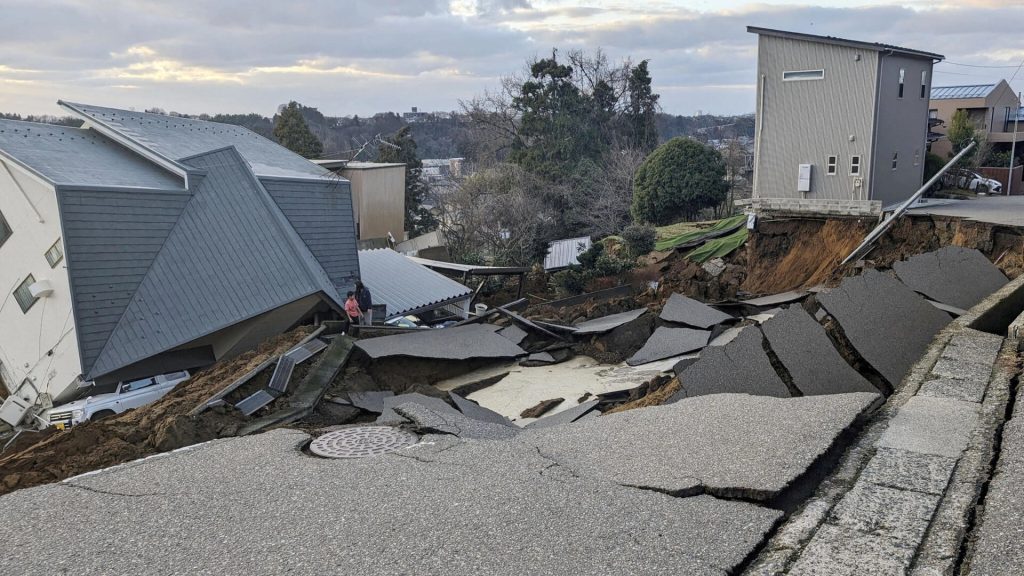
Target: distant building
column 142, row 244
column 415, row 116
column 990, row 108
column 378, row 196
column 839, row 120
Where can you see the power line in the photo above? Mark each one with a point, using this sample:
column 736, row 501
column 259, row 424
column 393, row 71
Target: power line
column 976, row 65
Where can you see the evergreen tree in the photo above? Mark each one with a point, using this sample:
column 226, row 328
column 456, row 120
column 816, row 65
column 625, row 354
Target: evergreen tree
column 679, row 179
column 402, row 148
column 291, row 131
column 642, row 112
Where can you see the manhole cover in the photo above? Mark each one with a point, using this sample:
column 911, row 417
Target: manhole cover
column 361, row 442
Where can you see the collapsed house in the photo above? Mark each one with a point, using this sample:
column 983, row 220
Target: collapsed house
column 140, row 244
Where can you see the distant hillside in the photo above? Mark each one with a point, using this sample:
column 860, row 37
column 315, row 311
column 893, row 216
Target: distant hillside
column 437, row 135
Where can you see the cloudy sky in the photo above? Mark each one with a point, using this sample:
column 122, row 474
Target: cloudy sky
column 363, row 56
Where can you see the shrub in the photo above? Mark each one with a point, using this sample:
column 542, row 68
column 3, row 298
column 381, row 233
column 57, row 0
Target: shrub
column 678, row 180
column 639, row 239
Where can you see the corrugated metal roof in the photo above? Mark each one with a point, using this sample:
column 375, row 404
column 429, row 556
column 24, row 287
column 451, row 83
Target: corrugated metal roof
column 231, row 256
column 65, row 155
column 175, row 138
column 563, row 253
column 403, row 285
column 956, row 92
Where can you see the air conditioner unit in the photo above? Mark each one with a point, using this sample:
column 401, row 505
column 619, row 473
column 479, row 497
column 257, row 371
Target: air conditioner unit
column 41, row 289
column 13, row 410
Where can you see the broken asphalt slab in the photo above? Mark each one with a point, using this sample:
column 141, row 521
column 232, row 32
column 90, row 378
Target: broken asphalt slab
column 668, row 342
column 956, row 276
column 455, row 343
column 741, row 366
column 608, row 323
column 804, row 348
column 514, row 333
column 888, row 324
column 478, row 412
column 506, row 510
column 565, row 416
column 728, row 445
column 682, row 310
column 426, row 420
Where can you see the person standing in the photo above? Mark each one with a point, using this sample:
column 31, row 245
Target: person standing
column 365, row 303
column 352, row 312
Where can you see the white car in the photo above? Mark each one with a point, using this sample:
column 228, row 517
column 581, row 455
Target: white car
column 127, row 396
column 977, row 183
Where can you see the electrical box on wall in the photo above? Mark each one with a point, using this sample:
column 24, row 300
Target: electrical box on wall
column 803, row 180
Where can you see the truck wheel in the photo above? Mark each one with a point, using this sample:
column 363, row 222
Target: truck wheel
column 102, row 415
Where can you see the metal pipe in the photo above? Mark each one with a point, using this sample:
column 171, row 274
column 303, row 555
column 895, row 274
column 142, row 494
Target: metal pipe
column 875, row 234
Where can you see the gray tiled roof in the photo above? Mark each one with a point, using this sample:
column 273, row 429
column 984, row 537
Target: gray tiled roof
column 64, row 155
column 231, row 256
column 176, row 138
column 405, row 286
column 955, row 92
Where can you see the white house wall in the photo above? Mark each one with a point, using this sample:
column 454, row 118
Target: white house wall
column 40, row 344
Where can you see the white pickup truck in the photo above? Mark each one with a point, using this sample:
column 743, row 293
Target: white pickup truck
column 127, row 396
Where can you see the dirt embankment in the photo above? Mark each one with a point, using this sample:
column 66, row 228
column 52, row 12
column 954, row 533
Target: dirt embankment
column 161, row 426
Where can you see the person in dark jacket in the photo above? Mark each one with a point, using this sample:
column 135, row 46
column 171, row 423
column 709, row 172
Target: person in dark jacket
column 365, row 303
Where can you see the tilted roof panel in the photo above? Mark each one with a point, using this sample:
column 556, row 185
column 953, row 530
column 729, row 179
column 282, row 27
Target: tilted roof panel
column 403, row 285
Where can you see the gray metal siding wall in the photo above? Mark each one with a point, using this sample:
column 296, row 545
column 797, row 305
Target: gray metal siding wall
column 803, row 122
column 228, row 259
column 902, row 128
column 110, row 241
column 321, row 212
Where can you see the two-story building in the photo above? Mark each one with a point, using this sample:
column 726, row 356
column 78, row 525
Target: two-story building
column 990, row 108
column 141, row 244
column 839, row 120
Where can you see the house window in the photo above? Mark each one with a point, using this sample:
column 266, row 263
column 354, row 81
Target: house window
column 895, row 159
column 854, row 165
column 903, row 73
column 55, row 254
column 830, row 166
column 23, row 295
column 917, row 156
column 795, row 75
column 924, row 83
column 933, row 114
column 5, row 230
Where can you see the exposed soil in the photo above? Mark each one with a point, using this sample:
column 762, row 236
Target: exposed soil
column 655, row 396
column 161, row 426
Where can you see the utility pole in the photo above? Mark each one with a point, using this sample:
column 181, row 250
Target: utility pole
column 1013, row 147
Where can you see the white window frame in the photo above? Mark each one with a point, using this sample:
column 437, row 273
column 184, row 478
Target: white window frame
column 831, row 165
column 803, row 75
column 895, row 160
column 24, row 288
column 54, row 254
column 917, row 157
column 903, row 75
column 855, row 165
column 924, row 84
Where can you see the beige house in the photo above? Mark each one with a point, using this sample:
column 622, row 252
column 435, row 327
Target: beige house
column 990, row 107
column 378, row 196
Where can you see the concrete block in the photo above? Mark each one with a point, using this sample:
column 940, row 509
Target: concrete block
column 965, row 390
column 906, row 470
column 838, row 551
column 900, row 515
column 928, row 425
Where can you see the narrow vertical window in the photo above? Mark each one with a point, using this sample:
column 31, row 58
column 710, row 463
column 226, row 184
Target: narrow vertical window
column 5, row 230
column 903, row 73
column 924, row 83
column 895, row 159
column 854, row 165
column 917, row 156
column 55, row 254
column 830, row 165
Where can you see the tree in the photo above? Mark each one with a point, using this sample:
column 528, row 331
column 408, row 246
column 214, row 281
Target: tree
column 402, row 148
column 291, row 131
column 678, row 179
column 961, row 133
column 642, row 111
